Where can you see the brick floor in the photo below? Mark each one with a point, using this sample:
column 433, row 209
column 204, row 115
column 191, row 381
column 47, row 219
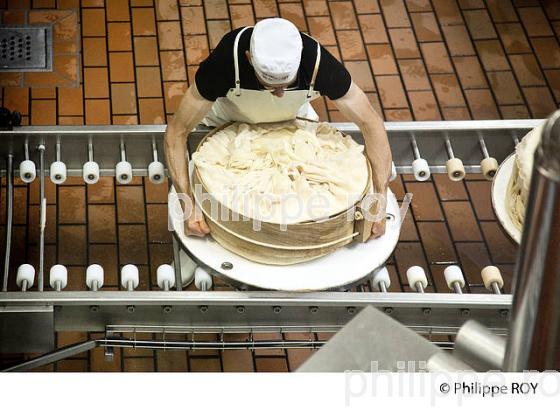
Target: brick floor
column 416, row 59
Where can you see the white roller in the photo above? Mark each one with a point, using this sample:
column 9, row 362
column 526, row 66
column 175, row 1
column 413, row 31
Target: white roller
column 165, row 273
column 393, row 172
column 156, row 172
column 489, row 166
column 455, row 169
column 58, row 273
column 25, row 272
column 453, row 274
column 91, row 172
column 94, row 273
column 491, row 274
column 129, row 273
column 381, row 276
column 415, row 275
column 58, row 172
column 123, row 172
column 27, row 171
column 421, row 169
column 202, row 278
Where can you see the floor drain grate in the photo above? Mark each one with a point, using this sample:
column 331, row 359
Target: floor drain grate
column 26, row 48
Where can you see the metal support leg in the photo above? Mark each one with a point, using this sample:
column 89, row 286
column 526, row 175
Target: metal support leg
column 42, row 223
column 155, row 151
column 449, row 149
column 483, row 148
column 177, row 265
column 109, row 353
column 122, row 149
column 9, row 218
column 457, row 288
column 415, row 150
column 90, row 150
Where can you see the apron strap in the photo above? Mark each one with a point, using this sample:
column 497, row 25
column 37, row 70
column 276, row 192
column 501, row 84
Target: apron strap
column 315, row 70
column 236, row 61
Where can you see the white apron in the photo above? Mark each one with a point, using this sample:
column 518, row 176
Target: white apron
column 254, row 106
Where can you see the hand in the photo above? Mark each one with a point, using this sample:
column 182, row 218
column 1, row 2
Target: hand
column 378, row 228
column 380, row 222
column 196, row 225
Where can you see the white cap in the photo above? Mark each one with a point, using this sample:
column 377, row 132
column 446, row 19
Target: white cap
column 276, row 50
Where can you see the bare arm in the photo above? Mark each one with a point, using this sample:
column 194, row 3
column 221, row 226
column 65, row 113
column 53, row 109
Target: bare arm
column 191, row 111
column 357, row 108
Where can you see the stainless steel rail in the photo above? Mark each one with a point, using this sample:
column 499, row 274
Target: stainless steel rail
column 43, row 217
column 259, row 298
column 465, row 136
column 94, row 311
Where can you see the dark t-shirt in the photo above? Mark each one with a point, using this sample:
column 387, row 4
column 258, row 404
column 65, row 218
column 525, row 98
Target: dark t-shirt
column 216, row 75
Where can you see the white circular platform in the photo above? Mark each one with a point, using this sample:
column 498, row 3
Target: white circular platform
column 341, row 269
column 499, row 190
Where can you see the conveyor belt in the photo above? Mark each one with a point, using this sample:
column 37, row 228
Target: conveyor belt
column 29, row 319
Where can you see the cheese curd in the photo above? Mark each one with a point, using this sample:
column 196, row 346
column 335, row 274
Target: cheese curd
column 284, row 172
column 520, row 181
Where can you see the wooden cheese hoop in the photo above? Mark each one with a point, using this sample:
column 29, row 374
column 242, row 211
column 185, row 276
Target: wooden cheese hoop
column 271, row 244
